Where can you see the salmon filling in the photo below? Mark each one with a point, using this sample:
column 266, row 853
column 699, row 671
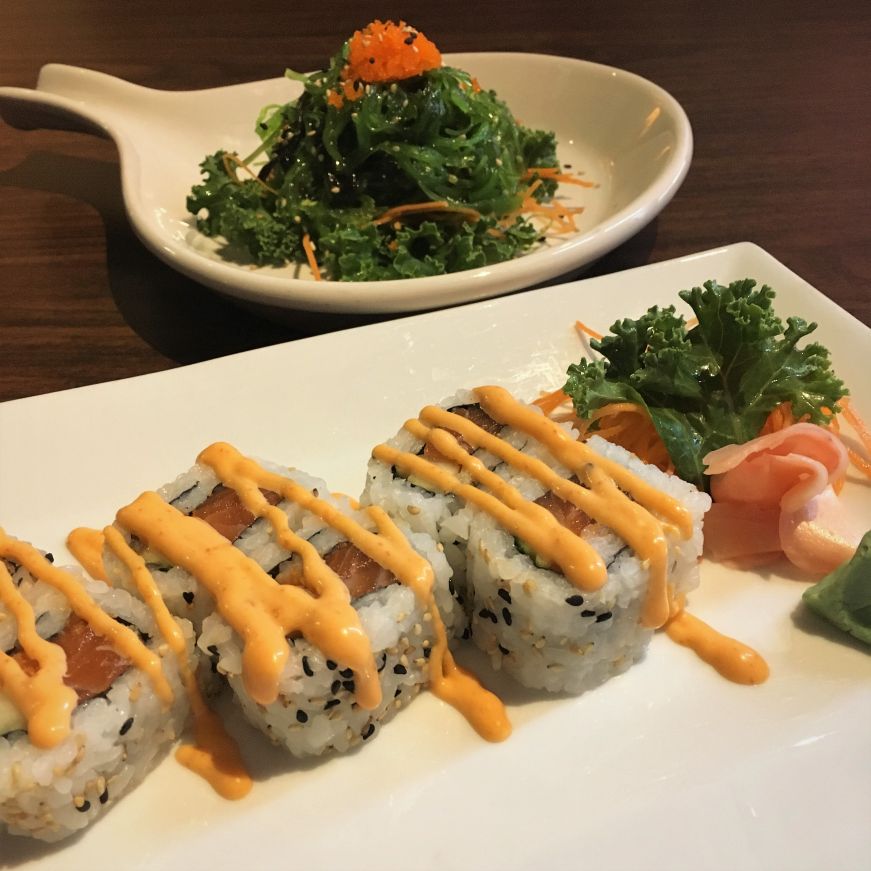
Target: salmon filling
column 92, row 663
column 566, row 514
column 358, row 571
column 225, row 513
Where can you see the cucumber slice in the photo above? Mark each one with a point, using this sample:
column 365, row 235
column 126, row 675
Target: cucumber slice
column 524, row 548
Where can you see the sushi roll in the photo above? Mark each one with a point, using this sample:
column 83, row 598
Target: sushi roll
column 91, row 697
column 574, row 552
column 544, row 631
column 321, row 617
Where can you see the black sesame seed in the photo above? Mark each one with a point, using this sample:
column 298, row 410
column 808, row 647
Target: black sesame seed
column 426, row 652
column 335, row 686
column 451, row 588
column 575, row 601
column 383, row 663
column 188, row 596
column 301, row 717
column 410, row 38
column 504, row 650
column 399, row 668
column 605, row 615
column 486, row 614
column 505, row 596
column 84, row 808
column 306, row 667
column 126, row 726
column 398, row 692
column 587, row 613
column 105, row 796
column 347, row 672
column 367, row 732
column 349, row 685
column 331, row 703
column 506, row 616
column 331, row 665
column 50, row 557
column 371, row 60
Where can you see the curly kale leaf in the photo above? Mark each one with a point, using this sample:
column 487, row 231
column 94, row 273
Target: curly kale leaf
column 714, row 384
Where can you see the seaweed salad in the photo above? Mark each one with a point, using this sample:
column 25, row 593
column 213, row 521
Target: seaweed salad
column 389, row 165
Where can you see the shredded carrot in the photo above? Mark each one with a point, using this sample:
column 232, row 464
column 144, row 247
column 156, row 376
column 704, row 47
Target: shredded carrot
column 441, row 206
column 856, row 422
column 630, row 426
column 852, row 417
column 309, row 249
column 584, row 330
column 547, row 402
column 554, row 173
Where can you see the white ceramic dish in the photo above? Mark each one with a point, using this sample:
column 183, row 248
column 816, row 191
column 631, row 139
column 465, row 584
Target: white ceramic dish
column 623, row 132
column 666, row 767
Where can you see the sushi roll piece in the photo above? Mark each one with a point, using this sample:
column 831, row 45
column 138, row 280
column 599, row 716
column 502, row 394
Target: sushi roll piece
column 575, row 552
column 90, row 695
column 323, row 618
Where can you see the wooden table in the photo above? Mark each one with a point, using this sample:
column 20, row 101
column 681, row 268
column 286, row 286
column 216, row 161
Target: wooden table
column 777, row 92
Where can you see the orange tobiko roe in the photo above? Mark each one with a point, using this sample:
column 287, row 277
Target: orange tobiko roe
column 389, row 52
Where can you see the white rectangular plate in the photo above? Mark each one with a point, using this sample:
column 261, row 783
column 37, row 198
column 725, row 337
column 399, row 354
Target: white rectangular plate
column 668, row 766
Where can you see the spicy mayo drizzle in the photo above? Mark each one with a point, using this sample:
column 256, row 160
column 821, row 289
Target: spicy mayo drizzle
column 44, row 700
column 731, row 658
column 86, row 545
column 215, row 756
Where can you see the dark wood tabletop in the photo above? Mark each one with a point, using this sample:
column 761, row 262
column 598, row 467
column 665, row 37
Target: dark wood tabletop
column 777, row 93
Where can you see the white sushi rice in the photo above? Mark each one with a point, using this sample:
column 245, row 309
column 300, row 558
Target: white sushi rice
column 115, row 738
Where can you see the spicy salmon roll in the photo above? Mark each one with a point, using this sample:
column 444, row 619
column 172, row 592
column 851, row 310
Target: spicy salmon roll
column 322, row 618
column 90, row 696
column 574, row 552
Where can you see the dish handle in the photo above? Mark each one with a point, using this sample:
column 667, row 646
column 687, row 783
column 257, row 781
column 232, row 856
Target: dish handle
column 69, row 98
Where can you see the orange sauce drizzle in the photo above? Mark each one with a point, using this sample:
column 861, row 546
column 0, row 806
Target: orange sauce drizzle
column 86, row 545
column 215, row 755
column 731, row 658
column 43, row 698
